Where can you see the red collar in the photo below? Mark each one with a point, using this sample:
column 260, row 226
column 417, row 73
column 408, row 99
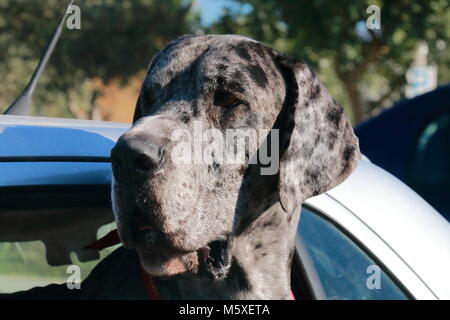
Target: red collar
column 152, row 290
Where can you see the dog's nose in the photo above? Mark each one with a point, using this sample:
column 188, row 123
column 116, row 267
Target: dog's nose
column 135, row 156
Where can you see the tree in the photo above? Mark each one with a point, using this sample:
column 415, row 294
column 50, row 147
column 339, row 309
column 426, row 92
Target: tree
column 369, row 71
column 116, row 41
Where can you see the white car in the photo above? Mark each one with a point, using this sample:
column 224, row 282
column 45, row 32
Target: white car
column 369, row 238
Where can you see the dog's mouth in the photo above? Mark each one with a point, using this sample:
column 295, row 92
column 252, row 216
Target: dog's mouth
column 158, row 257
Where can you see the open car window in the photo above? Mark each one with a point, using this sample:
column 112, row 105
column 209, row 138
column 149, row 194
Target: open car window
column 43, row 230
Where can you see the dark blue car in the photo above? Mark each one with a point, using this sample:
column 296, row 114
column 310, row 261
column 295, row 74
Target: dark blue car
column 411, row 140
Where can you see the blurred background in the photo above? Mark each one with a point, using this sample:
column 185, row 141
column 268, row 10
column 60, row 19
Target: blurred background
column 95, row 72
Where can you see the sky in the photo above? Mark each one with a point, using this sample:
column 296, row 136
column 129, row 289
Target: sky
column 211, row 10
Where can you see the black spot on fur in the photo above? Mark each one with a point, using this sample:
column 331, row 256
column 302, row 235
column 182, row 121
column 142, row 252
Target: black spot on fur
column 267, row 224
column 185, row 118
column 348, row 152
column 334, row 115
column 242, row 51
column 256, row 73
column 216, row 166
column 314, row 92
column 260, row 49
column 347, row 155
column 222, row 67
column 312, row 176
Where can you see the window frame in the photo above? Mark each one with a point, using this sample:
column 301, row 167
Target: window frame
column 54, row 196
column 305, row 283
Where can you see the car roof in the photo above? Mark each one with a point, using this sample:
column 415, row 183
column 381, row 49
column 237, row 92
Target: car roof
column 402, row 219
column 52, row 137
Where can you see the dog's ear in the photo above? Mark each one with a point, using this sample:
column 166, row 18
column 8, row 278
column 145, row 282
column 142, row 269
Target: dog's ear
column 138, row 112
column 318, row 148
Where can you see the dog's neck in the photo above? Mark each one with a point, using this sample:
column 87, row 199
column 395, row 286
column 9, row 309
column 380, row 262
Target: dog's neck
column 264, row 253
column 261, row 262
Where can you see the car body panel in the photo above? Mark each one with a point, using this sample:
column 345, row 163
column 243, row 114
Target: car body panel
column 34, row 137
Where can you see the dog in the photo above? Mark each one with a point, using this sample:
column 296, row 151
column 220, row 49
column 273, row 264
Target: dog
column 225, row 230
column 215, row 229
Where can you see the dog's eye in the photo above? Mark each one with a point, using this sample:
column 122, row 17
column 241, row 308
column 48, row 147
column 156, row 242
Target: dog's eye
column 226, row 100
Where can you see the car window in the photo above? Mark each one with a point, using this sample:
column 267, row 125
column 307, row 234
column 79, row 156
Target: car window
column 344, row 269
column 431, row 159
column 24, row 265
column 43, row 232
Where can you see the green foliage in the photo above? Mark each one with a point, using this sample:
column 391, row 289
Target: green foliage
column 363, row 74
column 117, row 40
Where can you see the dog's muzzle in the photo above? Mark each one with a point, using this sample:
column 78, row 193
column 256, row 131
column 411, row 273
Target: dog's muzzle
column 135, row 162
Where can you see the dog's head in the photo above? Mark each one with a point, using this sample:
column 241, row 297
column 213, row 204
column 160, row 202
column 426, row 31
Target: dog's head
column 188, row 175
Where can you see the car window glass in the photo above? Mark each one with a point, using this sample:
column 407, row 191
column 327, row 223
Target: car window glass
column 23, row 265
column 344, row 269
column 431, row 159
